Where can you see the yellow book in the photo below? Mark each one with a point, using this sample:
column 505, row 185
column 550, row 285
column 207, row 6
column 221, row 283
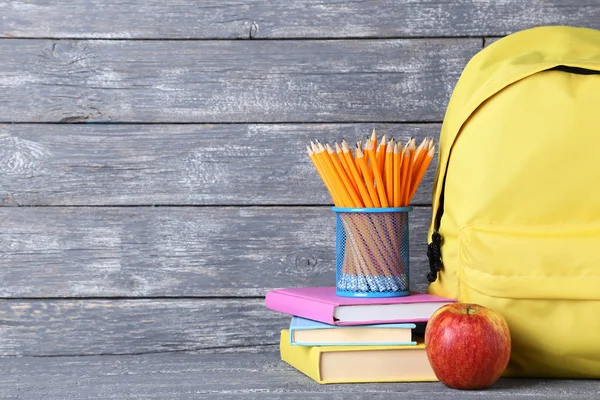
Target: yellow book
column 358, row 364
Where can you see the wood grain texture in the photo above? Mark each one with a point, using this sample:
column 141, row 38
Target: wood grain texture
column 98, row 164
column 84, row 327
column 181, row 251
column 226, row 376
column 287, row 19
column 230, row 81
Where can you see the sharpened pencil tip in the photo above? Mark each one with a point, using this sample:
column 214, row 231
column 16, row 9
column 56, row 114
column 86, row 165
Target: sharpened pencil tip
column 390, row 146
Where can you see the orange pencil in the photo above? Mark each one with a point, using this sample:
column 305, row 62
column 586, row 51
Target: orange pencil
column 324, row 177
column 359, row 145
column 377, row 174
column 334, row 178
column 356, row 201
column 406, row 159
column 328, row 180
column 412, row 146
column 422, row 169
column 362, row 189
column 346, row 145
column 381, row 152
column 420, row 155
column 362, row 164
column 389, row 172
column 344, row 162
column 335, row 191
column 373, row 139
column 397, row 175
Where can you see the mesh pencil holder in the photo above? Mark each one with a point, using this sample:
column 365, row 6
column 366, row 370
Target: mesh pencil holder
column 372, row 253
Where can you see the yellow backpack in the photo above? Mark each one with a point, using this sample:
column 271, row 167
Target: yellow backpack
column 516, row 202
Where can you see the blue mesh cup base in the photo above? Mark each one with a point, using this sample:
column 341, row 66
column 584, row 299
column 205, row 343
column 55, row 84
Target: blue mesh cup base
column 372, row 252
column 371, row 294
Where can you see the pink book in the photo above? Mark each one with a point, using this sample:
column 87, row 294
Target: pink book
column 323, row 305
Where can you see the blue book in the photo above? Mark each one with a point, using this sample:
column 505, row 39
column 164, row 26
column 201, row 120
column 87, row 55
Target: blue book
column 306, row 332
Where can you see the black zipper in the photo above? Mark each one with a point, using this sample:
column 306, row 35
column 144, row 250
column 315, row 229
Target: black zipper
column 434, row 253
column 574, row 70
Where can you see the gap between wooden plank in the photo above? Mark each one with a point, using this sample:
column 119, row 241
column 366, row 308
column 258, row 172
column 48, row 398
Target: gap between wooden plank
column 420, row 205
column 274, row 39
column 132, row 298
column 213, row 350
column 256, row 19
column 487, row 40
column 407, row 122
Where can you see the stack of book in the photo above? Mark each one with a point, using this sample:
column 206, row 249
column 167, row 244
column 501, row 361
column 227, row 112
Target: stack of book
column 335, row 339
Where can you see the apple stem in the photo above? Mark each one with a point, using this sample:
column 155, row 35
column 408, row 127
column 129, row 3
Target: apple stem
column 468, row 309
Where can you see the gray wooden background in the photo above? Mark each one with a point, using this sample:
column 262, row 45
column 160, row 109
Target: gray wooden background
column 153, row 178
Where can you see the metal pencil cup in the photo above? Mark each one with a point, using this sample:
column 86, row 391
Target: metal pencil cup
column 372, row 253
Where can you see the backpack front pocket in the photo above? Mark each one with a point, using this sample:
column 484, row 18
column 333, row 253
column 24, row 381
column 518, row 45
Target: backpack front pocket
column 546, row 283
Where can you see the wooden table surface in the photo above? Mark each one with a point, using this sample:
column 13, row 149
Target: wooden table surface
column 154, row 183
column 254, row 373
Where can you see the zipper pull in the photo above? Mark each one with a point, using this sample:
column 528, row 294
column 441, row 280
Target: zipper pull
column 434, row 254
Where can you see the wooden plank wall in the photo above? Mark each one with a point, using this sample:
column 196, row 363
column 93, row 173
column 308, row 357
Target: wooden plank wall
column 153, row 180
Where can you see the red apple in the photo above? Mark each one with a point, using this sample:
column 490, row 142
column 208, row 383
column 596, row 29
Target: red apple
column 468, row 345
